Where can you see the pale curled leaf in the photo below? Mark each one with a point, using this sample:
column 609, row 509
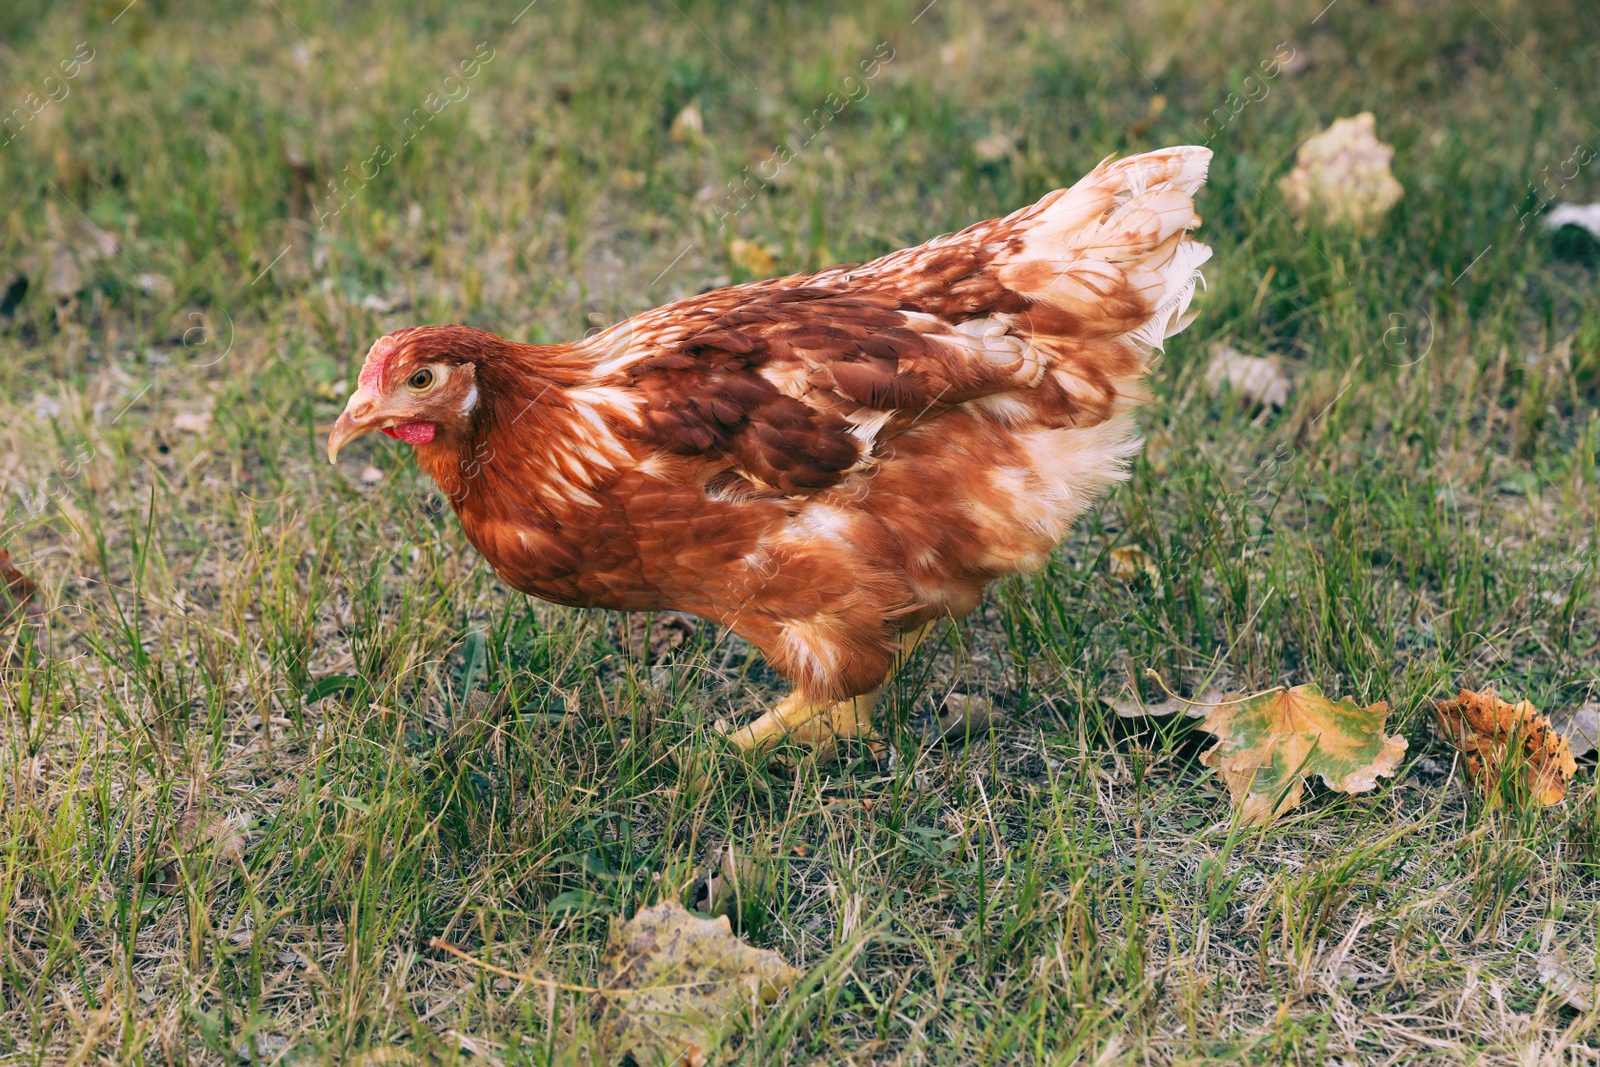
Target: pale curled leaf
column 965, row 715
column 688, row 124
column 198, row 828
column 675, row 985
column 1258, row 380
column 1342, row 175
column 383, row 305
column 1135, row 707
column 63, row 277
column 1556, row 972
column 736, row 876
column 157, row 285
column 1580, row 726
column 1270, row 743
column 994, row 147
column 198, row 832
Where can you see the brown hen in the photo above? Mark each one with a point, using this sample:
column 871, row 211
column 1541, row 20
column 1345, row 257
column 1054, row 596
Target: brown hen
column 827, row 463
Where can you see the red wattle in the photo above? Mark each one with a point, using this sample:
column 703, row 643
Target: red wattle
column 412, row 433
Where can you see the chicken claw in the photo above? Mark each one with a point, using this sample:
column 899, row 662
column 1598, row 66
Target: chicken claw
column 821, row 726
column 818, row 727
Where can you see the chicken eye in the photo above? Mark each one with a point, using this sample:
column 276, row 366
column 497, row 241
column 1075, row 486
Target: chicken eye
column 420, row 379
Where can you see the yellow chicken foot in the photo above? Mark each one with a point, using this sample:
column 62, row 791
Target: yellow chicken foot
column 820, row 727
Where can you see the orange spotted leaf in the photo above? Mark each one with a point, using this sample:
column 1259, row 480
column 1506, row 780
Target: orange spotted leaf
column 1507, row 747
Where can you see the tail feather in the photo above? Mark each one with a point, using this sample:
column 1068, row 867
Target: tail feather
column 1114, row 249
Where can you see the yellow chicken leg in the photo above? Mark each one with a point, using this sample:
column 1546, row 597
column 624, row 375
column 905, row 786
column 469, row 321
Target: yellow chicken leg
column 820, row 727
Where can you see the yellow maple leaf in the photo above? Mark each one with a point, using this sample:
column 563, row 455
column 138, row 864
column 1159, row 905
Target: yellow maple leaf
column 1507, row 746
column 674, row 984
column 1270, row 743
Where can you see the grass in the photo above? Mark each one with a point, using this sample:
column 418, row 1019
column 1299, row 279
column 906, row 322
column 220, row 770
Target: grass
column 402, row 749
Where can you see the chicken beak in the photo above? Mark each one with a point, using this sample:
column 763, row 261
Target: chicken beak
column 358, row 419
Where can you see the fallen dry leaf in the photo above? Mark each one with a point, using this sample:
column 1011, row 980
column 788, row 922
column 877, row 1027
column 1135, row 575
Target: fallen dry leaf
column 198, row 830
column 63, row 278
column 1136, row 707
column 674, row 984
column 1491, row 733
column 19, row 595
column 1259, row 380
column 1580, row 726
column 719, row 893
column 384, row 305
column 371, row 475
column 157, row 285
column 630, row 180
column 687, row 125
column 1342, row 174
column 994, row 147
column 1555, row 971
column 752, row 258
column 965, row 715
column 1130, row 561
column 1270, row 743
column 736, row 877
column 481, row 705
column 385, row 1056
column 191, row 421
column 652, row 638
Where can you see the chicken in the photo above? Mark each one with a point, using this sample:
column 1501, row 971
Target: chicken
column 825, row 464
